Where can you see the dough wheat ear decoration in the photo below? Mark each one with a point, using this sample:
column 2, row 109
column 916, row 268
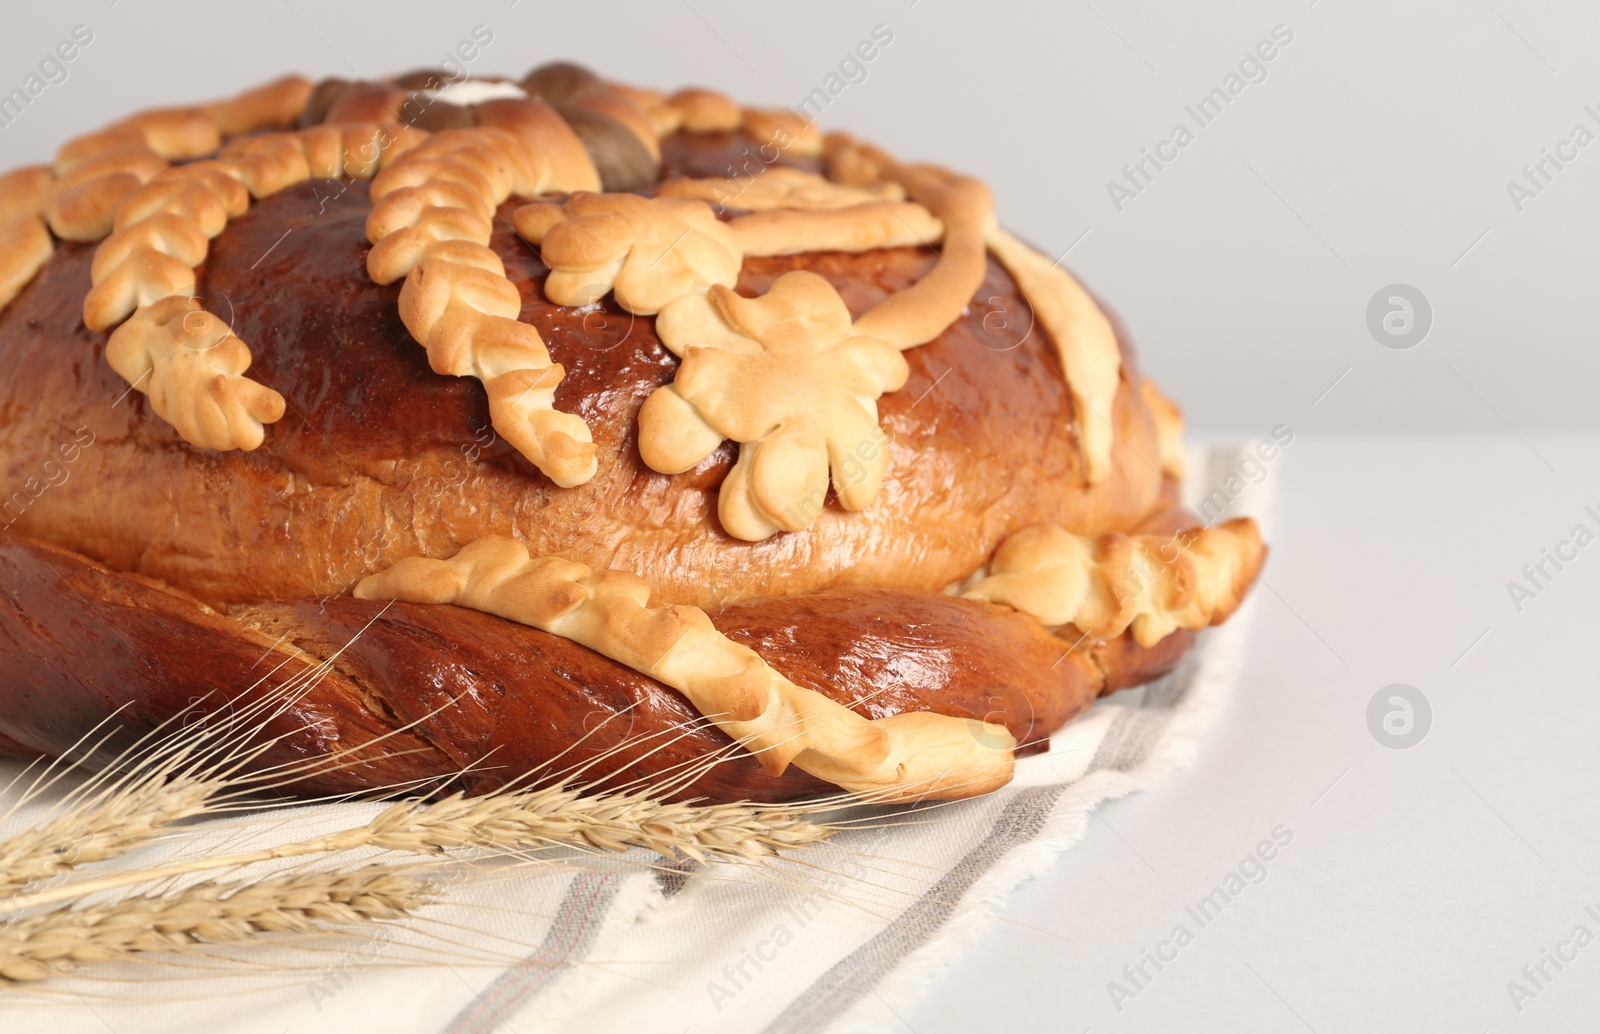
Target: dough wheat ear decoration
column 431, row 222
column 192, row 367
column 913, row 756
column 162, row 231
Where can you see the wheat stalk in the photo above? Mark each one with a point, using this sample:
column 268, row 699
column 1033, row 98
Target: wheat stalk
column 564, row 817
column 509, row 823
column 175, row 773
column 40, row 946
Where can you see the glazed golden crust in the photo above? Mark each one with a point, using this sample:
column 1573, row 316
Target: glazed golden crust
column 379, row 458
column 796, row 327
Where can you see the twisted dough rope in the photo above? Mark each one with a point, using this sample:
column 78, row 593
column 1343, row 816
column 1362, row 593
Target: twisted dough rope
column 270, row 162
column 94, row 172
column 431, row 223
column 99, row 169
column 162, row 232
column 911, row 756
column 1102, row 586
column 117, row 182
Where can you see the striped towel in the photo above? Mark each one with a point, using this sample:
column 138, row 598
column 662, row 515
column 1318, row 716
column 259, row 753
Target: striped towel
column 843, row 940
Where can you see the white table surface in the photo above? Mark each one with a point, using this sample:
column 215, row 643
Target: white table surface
column 1420, row 881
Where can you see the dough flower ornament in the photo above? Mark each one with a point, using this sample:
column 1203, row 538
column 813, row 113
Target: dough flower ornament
column 649, row 251
column 787, row 377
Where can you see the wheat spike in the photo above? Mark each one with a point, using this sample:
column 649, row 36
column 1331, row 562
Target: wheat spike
column 559, row 816
column 114, row 826
column 40, row 946
column 511, row 823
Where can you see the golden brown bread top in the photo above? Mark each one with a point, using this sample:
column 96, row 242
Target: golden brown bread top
column 378, row 458
column 803, row 309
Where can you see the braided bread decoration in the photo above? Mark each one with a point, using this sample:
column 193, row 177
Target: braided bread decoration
column 431, row 223
column 96, row 173
column 98, row 170
column 162, row 232
column 1154, row 584
column 912, row 756
column 272, row 161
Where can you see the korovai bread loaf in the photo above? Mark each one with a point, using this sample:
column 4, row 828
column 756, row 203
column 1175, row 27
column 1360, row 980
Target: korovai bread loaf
column 512, row 425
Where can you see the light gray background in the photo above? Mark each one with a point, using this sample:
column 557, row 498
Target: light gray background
column 1377, row 151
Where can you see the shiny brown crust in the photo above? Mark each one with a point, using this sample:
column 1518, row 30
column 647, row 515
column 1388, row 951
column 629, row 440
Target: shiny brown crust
column 383, row 469
column 78, row 640
column 980, row 436
column 915, row 755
